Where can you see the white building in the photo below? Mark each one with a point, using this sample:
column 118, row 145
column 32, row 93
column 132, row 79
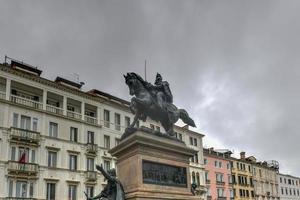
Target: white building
column 61, row 132
column 289, row 187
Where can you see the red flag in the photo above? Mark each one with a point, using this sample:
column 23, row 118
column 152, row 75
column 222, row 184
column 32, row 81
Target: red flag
column 22, row 158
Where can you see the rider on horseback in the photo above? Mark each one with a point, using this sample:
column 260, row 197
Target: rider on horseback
column 163, row 92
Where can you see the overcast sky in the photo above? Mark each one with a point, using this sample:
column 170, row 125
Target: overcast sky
column 233, row 65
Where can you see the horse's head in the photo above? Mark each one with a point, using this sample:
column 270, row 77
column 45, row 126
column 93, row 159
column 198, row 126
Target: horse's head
column 132, row 82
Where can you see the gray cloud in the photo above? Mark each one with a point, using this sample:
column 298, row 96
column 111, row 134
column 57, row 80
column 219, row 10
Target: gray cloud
column 233, row 65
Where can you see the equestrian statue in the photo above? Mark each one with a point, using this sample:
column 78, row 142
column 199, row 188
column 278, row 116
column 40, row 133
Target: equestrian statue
column 154, row 101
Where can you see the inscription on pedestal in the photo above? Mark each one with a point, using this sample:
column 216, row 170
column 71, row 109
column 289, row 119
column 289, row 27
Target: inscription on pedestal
column 162, row 174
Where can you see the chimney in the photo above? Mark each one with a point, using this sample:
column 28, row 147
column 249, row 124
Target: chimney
column 243, row 155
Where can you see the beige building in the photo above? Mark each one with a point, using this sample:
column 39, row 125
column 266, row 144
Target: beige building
column 52, row 134
column 265, row 175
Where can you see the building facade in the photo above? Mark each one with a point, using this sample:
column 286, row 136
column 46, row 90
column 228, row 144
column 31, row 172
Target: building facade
column 218, row 176
column 265, row 180
column 289, row 187
column 52, row 134
column 242, row 178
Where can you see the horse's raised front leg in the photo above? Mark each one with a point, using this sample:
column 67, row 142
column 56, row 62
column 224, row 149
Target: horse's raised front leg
column 136, row 117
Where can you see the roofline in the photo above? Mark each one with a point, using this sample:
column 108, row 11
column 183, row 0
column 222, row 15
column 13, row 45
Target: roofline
column 54, row 84
column 289, row 176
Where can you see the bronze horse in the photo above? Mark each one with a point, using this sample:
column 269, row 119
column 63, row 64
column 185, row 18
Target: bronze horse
column 144, row 105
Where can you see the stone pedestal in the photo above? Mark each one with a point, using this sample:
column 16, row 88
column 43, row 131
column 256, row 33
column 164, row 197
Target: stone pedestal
column 154, row 167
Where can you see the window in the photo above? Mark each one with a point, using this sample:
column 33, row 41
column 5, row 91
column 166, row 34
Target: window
column 53, row 129
column 191, row 141
column 13, row 153
column 193, row 159
column 32, row 156
column 208, row 191
column 25, row 151
column 198, row 179
column 137, row 125
column 196, row 158
column 219, row 177
column 106, row 119
column 73, row 134
column 152, row 126
column 230, row 179
column 220, row 164
column 106, row 165
column 117, row 141
column 106, row 142
column 216, row 163
column 50, row 194
column 15, row 120
column 220, row 192
column 21, row 189
column 25, row 122
column 195, row 142
column 231, row 193
column 228, row 166
column 127, row 121
column 158, row 128
column 90, row 164
column 10, row 188
column 90, row 191
column 73, row 162
column 117, row 121
column 180, row 136
column 72, row 192
column 52, row 158
column 193, row 177
column 205, row 161
column 34, row 124
column 90, row 137
column 206, row 176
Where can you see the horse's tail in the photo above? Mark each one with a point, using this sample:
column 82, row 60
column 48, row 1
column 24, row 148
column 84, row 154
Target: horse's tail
column 185, row 117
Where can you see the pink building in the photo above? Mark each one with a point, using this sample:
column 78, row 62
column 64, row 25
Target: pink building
column 218, row 175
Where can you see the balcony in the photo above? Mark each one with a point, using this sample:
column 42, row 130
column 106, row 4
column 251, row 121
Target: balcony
column 89, row 119
column 220, row 183
column 24, row 135
column 91, row 148
column 2, row 95
column 19, row 198
column 207, row 181
column 91, row 175
column 221, row 198
column 26, row 102
column 74, row 115
column 54, row 109
column 209, row 197
column 15, row 167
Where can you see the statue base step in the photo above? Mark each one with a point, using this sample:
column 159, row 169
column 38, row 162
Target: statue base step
column 154, row 167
